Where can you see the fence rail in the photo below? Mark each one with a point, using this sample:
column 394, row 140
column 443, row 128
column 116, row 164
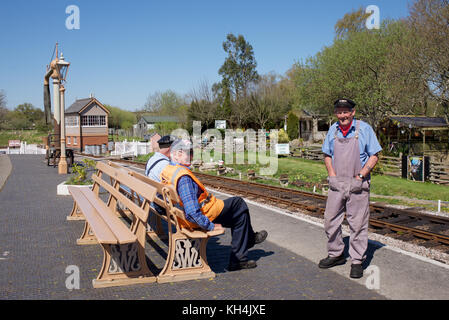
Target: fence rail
column 24, row 149
column 439, row 173
column 131, row 148
column 392, row 166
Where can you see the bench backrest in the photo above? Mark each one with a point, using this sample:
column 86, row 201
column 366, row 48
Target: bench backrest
column 112, row 185
column 170, row 196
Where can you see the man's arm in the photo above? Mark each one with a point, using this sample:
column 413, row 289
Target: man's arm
column 329, row 167
column 187, row 190
column 369, row 165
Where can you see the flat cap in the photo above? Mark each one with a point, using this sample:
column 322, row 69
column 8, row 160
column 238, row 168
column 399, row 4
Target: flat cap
column 181, row 144
column 344, row 103
column 165, row 141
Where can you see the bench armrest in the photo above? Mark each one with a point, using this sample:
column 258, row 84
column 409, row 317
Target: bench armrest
column 201, row 233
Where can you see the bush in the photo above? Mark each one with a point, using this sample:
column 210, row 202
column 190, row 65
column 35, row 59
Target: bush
column 79, row 176
column 292, row 126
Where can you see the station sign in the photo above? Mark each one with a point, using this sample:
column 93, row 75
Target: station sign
column 220, row 124
column 14, row 143
column 283, row 148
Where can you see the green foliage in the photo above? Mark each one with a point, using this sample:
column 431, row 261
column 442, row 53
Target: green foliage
column 165, row 128
column 359, row 66
column 164, row 103
column 281, row 136
column 239, row 68
column 120, row 119
column 292, row 126
column 28, row 136
column 80, row 171
column 351, row 22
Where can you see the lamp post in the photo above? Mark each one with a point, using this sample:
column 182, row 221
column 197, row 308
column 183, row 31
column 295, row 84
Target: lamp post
column 62, row 67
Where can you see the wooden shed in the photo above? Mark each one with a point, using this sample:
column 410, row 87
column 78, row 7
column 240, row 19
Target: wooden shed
column 86, row 122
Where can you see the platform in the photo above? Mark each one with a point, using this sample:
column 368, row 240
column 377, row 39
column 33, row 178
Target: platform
column 38, row 244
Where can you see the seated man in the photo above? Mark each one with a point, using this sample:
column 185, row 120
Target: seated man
column 204, row 210
column 160, row 158
column 157, row 163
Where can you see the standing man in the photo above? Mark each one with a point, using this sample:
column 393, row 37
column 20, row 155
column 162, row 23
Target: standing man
column 160, row 159
column 350, row 151
column 203, row 210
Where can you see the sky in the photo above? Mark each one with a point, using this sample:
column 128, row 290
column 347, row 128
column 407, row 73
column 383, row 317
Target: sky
column 125, row 51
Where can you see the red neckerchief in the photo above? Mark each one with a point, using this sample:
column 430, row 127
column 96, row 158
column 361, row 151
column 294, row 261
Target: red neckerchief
column 345, row 130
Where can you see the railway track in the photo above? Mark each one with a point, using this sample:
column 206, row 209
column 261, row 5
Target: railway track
column 403, row 224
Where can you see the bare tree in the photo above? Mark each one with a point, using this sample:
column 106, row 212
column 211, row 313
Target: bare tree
column 429, row 21
column 203, row 104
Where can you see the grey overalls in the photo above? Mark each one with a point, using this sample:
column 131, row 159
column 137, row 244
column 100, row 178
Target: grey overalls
column 345, row 192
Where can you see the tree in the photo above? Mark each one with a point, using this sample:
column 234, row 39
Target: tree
column 120, row 119
column 239, row 68
column 292, row 126
column 2, row 99
column 268, row 102
column 351, row 22
column 364, row 66
column 164, row 103
column 3, row 110
column 429, row 23
column 204, row 105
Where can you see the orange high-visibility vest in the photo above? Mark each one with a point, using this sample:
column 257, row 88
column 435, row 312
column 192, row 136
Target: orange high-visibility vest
column 211, row 207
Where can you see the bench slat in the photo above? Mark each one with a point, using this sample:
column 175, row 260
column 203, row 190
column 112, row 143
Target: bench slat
column 146, row 191
column 120, row 231
column 97, row 224
column 122, row 198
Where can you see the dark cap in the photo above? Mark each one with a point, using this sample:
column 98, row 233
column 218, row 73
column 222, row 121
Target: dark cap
column 344, row 103
column 165, row 141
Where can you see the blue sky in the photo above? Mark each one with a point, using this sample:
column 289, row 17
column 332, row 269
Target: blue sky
column 126, row 50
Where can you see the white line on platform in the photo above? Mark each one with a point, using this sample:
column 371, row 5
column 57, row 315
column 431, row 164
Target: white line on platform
column 411, row 254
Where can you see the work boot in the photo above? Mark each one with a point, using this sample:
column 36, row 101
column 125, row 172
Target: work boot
column 356, row 271
column 259, row 237
column 249, row 264
column 330, row 262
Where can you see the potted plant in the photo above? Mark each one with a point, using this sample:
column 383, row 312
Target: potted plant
column 78, row 178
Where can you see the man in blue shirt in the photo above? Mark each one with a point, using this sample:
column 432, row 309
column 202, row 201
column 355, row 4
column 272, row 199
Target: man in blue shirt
column 160, row 158
column 351, row 152
column 230, row 213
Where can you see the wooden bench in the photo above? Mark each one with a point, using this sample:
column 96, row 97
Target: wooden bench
column 186, row 257
column 123, row 246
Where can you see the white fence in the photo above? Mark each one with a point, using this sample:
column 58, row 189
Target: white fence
column 131, row 148
column 25, row 149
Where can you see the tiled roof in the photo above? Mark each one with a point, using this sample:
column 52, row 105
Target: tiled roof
column 78, row 105
column 421, row 122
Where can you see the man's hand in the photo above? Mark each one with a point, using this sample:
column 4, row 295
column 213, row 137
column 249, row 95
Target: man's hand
column 218, row 226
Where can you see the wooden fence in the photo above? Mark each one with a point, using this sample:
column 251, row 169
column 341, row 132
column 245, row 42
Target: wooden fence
column 391, row 166
column 439, row 172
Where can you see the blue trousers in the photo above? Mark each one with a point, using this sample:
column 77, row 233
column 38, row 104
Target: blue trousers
column 235, row 215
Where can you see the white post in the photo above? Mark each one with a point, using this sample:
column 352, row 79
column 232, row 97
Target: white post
column 439, row 205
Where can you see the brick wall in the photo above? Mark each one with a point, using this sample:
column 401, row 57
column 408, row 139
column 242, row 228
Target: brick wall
column 87, row 140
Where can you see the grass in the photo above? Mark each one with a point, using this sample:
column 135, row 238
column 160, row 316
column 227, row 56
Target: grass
column 30, row 136
column 314, row 172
